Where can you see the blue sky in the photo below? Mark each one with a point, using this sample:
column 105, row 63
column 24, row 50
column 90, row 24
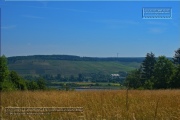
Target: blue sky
column 93, row 29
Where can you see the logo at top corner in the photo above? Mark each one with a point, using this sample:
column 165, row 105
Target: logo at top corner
column 157, row 13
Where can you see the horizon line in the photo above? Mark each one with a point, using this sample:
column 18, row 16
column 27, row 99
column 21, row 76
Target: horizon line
column 81, row 56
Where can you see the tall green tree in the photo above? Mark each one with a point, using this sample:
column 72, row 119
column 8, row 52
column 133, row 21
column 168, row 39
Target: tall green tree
column 163, row 72
column 176, row 58
column 4, row 72
column 147, row 68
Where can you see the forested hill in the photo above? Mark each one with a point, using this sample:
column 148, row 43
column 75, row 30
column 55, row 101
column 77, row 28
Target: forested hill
column 68, row 65
column 74, row 58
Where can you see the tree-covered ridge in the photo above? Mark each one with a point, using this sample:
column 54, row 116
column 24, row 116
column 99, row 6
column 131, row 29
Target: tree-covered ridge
column 74, row 58
column 66, row 65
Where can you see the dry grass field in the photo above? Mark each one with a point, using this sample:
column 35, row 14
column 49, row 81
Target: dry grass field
column 97, row 105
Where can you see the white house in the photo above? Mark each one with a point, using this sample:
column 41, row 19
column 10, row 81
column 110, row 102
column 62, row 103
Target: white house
column 115, row 75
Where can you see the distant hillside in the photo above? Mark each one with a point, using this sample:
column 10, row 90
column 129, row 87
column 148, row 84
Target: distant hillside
column 70, row 65
column 74, row 58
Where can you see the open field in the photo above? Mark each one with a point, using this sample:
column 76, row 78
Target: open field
column 98, row 105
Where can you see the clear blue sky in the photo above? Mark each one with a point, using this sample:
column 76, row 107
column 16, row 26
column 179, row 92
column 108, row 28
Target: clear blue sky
column 94, row 29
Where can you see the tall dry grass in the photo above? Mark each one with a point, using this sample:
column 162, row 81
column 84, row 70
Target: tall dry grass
column 98, row 105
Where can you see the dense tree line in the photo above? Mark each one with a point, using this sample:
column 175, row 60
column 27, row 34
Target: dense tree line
column 73, row 58
column 90, row 77
column 10, row 80
column 156, row 73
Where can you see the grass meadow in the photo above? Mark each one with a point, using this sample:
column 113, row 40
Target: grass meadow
column 97, row 105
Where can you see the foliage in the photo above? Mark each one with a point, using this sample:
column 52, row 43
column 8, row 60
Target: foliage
column 41, row 84
column 156, row 74
column 8, row 85
column 32, row 85
column 4, row 72
column 176, row 58
column 163, row 72
column 18, row 82
column 175, row 83
column 148, row 84
column 133, row 80
column 80, row 77
column 12, row 81
column 58, row 77
column 148, row 67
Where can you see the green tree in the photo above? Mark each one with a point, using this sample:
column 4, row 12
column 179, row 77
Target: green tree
column 80, row 77
column 148, row 84
column 175, row 83
column 8, row 85
column 32, row 85
column 72, row 78
column 58, row 77
column 163, row 72
column 4, row 72
column 147, row 67
column 176, row 58
column 133, row 79
column 41, row 84
column 18, row 82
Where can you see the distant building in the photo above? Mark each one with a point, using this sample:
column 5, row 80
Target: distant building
column 115, row 75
